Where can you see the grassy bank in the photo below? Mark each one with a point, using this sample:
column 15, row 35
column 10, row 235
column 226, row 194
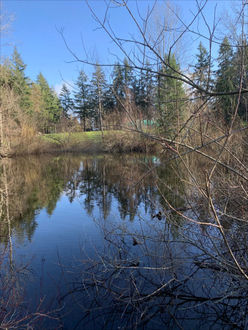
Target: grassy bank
column 87, row 142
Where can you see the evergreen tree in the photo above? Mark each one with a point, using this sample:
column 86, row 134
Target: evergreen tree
column 149, row 91
column 127, row 74
column 128, row 81
column 108, row 99
column 51, row 112
column 66, row 100
column 21, row 83
column 169, row 98
column 118, row 85
column 38, row 104
column 143, row 89
column 136, row 88
column 224, row 80
column 123, row 81
column 202, row 69
column 98, row 84
column 81, row 98
column 240, row 63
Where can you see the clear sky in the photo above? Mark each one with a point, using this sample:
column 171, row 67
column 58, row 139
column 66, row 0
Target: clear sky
column 34, row 33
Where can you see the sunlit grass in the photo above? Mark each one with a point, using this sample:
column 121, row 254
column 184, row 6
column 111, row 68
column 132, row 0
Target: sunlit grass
column 77, row 137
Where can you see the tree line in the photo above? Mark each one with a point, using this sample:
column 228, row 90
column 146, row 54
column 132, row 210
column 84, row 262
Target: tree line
column 151, row 94
column 147, row 94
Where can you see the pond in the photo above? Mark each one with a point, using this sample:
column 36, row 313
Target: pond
column 117, row 242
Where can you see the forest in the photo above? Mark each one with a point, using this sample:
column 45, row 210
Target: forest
column 131, row 97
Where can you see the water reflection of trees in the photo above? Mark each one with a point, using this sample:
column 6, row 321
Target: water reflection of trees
column 186, row 282
column 183, row 270
column 106, row 179
column 174, row 269
column 33, row 184
column 36, row 183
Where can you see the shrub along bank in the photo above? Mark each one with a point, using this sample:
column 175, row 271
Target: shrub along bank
column 88, row 142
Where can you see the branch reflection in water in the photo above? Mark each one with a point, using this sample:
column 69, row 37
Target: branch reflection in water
column 160, row 258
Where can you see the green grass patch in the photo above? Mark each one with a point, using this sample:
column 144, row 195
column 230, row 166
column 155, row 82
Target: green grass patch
column 75, row 137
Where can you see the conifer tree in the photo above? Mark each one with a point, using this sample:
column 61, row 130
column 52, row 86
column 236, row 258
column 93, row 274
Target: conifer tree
column 51, row 113
column 202, row 68
column 38, row 104
column 143, row 89
column 122, row 83
column 66, row 100
column 224, row 80
column 21, row 83
column 170, row 94
column 108, row 99
column 98, row 84
column 118, row 85
column 127, row 73
column 240, row 63
column 128, row 81
column 81, row 98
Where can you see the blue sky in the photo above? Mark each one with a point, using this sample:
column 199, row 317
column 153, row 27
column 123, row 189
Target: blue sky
column 35, row 24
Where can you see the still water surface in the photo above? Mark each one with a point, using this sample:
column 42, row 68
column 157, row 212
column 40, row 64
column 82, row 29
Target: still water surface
column 102, row 249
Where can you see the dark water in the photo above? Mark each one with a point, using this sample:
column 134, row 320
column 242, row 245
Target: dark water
column 96, row 242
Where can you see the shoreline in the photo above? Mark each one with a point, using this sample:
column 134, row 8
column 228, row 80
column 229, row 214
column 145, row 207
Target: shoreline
column 85, row 142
